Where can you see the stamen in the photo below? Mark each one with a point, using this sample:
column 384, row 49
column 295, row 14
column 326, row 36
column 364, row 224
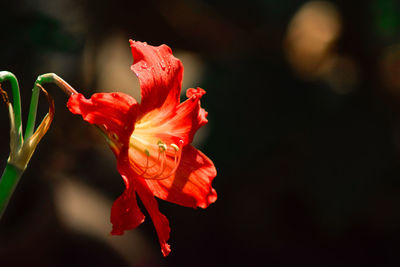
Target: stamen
column 162, row 168
column 147, row 162
column 162, row 145
column 175, row 147
column 161, row 150
column 177, row 159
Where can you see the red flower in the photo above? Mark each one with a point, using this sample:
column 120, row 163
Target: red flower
column 151, row 141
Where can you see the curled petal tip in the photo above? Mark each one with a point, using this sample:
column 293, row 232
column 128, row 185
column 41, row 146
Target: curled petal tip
column 117, row 232
column 165, row 249
column 212, row 197
column 195, row 93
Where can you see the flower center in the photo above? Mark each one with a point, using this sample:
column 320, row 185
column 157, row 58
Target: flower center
column 153, row 159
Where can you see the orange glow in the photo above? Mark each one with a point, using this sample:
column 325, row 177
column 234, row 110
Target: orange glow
column 310, row 36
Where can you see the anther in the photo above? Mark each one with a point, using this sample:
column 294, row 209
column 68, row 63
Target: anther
column 177, row 160
column 115, row 136
column 161, row 145
column 175, row 147
column 161, row 171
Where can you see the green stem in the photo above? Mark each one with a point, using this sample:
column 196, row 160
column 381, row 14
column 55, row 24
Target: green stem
column 8, row 76
column 8, row 182
column 42, row 79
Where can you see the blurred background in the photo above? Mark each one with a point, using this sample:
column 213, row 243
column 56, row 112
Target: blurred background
column 304, row 129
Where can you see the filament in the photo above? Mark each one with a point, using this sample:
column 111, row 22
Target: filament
column 161, row 161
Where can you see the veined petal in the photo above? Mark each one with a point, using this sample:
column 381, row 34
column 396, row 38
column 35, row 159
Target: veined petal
column 160, row 76
column 190, row 186
column 171, row 127
column 189, row 116
column 159, row 220
column 116, row 112
column 125, row 213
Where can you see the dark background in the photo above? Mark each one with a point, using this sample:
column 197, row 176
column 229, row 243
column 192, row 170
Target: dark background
column 304, row 129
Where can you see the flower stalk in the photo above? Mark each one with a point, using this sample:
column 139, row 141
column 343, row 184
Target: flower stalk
column 42, row 79
column 11, row 174
column 16, row 106
column 8, row 182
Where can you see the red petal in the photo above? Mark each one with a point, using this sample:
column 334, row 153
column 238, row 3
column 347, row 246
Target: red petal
column 191, row 184
column 189, row 115
column 125, row 213
column 159, row 220
column 182, row 124
column 160, row 76
column 115, row 111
